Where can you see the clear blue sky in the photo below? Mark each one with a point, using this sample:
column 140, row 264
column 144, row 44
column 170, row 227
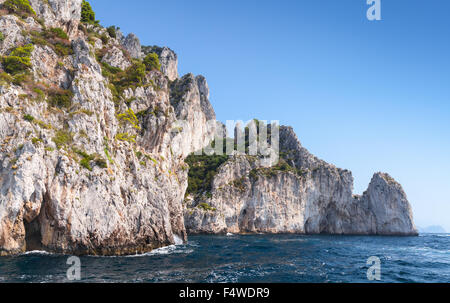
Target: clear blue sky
column 366, row 96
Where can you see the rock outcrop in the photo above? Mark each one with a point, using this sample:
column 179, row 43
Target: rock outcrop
column 116, row 58
column 306, row 196
column 88, row 166
column 168, row 59
column 57, row 13
column 132, row 44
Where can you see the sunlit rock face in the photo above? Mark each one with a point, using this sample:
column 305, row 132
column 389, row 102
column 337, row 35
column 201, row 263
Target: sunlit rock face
column 59, row 13
column 168, row 59
column 132, row 44
column 314, row 197
column 88, row 172
column 92, row 165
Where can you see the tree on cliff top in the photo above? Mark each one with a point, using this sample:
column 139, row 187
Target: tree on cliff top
column 87, row 14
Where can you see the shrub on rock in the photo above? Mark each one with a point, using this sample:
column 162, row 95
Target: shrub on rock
column 151, row 62
column 18, row 60
column 87, row 14
column 20, row 7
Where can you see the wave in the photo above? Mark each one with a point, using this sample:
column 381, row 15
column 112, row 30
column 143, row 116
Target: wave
column 36, row 252
column 178, row 240
column 167, row 250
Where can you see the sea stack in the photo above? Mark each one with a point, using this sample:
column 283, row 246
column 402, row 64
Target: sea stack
column 302, row 195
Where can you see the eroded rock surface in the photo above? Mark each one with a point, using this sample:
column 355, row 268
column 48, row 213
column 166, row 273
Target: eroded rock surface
column 132, row 44
column 168, row 59
column 83, row 170
column 65, row 14
column 92, row 153
column 309, row 197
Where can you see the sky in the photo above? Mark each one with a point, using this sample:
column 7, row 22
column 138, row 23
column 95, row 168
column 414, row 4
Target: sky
column 364, row 95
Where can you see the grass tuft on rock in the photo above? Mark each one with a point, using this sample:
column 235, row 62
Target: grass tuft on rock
column 28, row 118
column 61, row 98
column 62, row 138
column 206, row 207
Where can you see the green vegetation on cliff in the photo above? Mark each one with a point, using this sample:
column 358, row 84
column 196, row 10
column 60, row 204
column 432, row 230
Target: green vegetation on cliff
column 129, row 117
column 206, row 207
column 86, row 159
column 112, row 31
column 202, row 171
column 62, row 138
column 58, row 32
column 119, row 79
column 19, row 7
column 151, row 62
column 61, row 98
column 55, row 38
column 87, row 14
column 270, row 172
column 18, row 60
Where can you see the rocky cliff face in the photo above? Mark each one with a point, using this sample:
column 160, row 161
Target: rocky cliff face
column 86, row 167
column 92, row 151
column 168, row 59
column 306, row 195
column 56, row 13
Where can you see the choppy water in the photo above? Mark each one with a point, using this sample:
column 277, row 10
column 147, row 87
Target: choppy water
column 258, row 258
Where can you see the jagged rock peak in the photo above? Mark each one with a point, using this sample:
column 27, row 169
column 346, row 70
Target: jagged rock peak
column 203, row 89
column 132, row 44
column 190, row 84
column 299, row 156
column 300, row 194
column 189, row 96
column 168, row 59
column 289, row 139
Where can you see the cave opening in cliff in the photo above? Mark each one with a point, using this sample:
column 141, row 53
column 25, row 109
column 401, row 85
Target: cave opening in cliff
column 33, row 236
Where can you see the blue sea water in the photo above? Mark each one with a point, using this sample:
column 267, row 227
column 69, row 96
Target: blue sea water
column 255, row 258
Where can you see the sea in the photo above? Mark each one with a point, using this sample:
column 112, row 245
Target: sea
column 252, row 259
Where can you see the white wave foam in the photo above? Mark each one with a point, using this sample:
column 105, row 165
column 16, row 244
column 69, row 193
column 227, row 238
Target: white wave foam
column 167, row 250
column 37, row 252
column 178, row 240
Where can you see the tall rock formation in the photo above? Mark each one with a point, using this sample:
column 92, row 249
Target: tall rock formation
column 93, row 145
column 168, row 59
column 90, row 163
column 301, row 194
column 132, row 44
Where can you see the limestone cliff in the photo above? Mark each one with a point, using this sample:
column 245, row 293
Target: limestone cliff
column 93, row 152
column 91, row 159
column 304, row 195
column 168, row 59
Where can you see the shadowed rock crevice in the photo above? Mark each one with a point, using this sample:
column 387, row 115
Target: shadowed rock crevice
column 33, row 236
